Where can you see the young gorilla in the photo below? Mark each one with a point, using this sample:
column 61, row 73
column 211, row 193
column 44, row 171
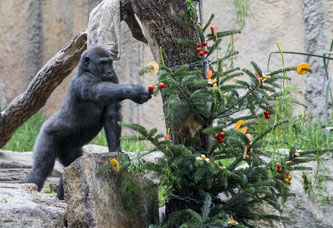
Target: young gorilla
column 91, row 104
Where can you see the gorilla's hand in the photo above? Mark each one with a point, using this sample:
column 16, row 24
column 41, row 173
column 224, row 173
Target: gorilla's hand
column 140, row 94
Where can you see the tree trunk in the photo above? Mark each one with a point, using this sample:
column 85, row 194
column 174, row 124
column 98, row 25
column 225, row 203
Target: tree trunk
column 160, row 29
column 41, row 87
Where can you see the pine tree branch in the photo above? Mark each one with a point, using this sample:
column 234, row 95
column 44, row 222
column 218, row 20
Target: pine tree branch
column 307, row 152
column 185, row 95
column 232, row 106
column 233, row 112
column 283, row 70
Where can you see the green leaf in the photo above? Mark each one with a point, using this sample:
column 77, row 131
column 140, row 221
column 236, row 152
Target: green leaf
column 135, row 127
column 223, row 34
column 206, row 207
column 257, row 68
column 249, row 73
column 228, row 77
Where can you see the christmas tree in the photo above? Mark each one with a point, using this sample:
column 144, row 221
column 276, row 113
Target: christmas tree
column 214, row 171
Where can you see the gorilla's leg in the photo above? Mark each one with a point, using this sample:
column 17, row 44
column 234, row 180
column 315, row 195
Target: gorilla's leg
column 66, row 158
column 42, row 167
column 112, row 129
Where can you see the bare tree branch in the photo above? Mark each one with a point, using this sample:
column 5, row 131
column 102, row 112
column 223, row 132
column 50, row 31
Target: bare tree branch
column 41, row 87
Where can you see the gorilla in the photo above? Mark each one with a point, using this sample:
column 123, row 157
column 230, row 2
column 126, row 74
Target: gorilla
column 92, row 103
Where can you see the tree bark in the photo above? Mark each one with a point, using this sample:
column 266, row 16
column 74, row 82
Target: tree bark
column 160, row 29
column 41, row 87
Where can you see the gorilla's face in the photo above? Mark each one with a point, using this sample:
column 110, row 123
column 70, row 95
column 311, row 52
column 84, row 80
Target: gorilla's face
column 98, row 61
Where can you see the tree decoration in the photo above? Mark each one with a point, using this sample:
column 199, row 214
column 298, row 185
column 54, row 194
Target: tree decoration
column 210, row 74
column 212, row 29
column 219, row 137
column 259, row 79
column 152, row 68
column 155, row 67
column 232, row 222
column 212, row 81
column 248, row 146
column 238, row 126
column 278, row 165
column 303, row 68
column 202, row 158
column 161, row 85
column 115, row 165
column 151, row 88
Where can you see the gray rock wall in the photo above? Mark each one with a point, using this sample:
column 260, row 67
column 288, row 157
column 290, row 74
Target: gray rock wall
column 3, row 100
column 31, row 32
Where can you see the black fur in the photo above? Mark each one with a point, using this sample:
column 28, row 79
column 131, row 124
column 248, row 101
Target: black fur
column 92, row 103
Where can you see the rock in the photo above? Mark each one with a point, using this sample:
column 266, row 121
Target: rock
column 266, row 209
column 22, row 206
column 15, row 166
column 3, row 101
column 105, row 199
column 315, row 34
column 309, row 212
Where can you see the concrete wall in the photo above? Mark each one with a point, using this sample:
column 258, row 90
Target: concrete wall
column 32, row 31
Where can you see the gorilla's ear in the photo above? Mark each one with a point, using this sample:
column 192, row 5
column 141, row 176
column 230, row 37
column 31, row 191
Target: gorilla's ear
column 86, row 61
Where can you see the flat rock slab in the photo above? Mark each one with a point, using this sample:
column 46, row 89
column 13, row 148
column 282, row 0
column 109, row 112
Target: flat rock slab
column 15, row 166
column 22, row 206
column 108, row 199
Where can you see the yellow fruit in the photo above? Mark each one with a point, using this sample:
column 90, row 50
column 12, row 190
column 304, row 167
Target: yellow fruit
column 300, row 67
column 286, row 180
column 115, row 165
column 238, row 124
column 155, row 66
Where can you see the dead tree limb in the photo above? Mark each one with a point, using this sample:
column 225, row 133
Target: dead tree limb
column 41, row 87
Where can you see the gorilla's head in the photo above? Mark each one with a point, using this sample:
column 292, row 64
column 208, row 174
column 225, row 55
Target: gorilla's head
column 98, row 61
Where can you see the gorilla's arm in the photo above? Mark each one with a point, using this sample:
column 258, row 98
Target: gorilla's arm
column 106, row 93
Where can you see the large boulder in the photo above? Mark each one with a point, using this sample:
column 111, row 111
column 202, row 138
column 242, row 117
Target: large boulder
column 108, row 199
column 21, row 205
